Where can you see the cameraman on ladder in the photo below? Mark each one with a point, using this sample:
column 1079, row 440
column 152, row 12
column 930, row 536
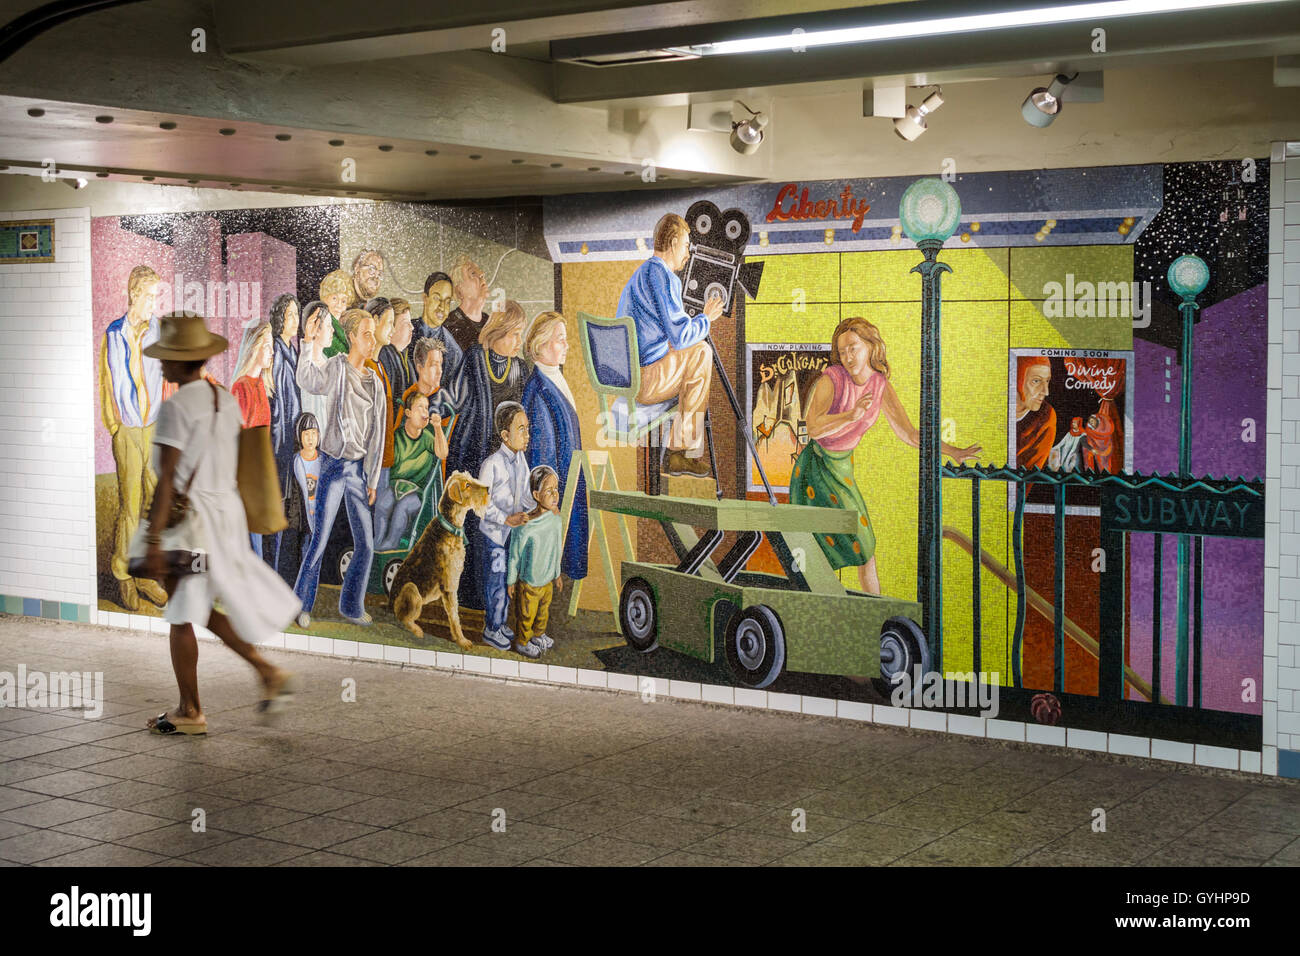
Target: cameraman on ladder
column 676, row 359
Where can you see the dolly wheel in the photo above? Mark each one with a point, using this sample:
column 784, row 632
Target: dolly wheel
column 903, row 648
column 755, row 645
column 639, row 616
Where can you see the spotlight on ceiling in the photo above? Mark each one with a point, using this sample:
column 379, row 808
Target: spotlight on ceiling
column 77, row 183
column 912, row 123
column 747, row 136
column 1043, row 104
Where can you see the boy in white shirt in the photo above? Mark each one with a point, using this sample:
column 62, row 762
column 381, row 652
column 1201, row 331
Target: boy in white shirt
column 505, row 472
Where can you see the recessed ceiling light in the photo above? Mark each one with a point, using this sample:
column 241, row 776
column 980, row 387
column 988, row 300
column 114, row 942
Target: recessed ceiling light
column 166, row 124
column 430, row 152
column 103, row 119
column 336, row 142
column 36, row 111
column 475, row 155
column 226, row 132
column 283, row 137
column 556, row 165
column 385, row 147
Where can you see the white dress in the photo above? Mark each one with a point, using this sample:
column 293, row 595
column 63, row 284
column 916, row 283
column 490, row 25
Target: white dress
column 255, row 598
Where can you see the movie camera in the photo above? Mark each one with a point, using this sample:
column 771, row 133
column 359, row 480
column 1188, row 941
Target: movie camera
column 717, row 262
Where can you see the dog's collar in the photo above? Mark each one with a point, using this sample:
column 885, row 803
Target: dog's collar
column 457, row 530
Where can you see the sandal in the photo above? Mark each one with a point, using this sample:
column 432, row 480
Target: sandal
column 167, row 728
column 279, row 699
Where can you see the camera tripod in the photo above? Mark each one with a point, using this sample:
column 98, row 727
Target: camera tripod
column 741, row 419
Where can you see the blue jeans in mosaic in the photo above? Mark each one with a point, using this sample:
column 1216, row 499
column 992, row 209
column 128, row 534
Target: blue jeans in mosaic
column 496, row 596
column 342, row 482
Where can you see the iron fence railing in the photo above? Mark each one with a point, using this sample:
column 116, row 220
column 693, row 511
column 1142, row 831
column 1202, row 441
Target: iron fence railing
column 1201, row 499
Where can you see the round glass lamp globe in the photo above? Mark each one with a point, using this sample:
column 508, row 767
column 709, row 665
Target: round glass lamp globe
column 929, row 210
column 1188, row 275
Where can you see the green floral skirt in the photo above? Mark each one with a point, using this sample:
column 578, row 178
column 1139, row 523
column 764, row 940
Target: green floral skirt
column 825, row 479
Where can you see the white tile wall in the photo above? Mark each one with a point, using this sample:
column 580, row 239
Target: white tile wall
column 47, row 473
column 1282, row 578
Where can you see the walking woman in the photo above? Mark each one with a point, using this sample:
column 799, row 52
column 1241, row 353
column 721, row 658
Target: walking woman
column 846, row 400
column 196, row 450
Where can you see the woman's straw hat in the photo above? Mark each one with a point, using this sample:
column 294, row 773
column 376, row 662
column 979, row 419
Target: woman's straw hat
column 184, row 338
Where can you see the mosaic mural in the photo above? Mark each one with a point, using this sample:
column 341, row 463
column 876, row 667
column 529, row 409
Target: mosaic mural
column 779, row 435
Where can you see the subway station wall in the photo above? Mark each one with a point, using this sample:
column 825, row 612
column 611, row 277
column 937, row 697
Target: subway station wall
column 1101, row 556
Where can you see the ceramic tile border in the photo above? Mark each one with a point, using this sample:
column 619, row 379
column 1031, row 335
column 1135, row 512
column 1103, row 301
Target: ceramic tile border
column 1265, row 761
column 1251, row 761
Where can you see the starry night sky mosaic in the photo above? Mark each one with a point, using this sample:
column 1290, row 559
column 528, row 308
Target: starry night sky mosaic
column 1210, row 212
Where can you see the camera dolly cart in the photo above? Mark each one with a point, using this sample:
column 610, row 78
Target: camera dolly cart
column 803, row 620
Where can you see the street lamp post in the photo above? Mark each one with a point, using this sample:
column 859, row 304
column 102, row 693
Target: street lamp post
column 929, row 213
column 1188, row 277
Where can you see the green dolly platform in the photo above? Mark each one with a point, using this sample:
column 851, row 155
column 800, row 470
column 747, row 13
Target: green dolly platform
column 804, row 620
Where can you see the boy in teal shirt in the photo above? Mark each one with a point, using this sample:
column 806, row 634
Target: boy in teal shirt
column 533, row 572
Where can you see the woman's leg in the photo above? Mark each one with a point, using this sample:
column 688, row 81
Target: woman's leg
column 185, row 663
column 219, row 625
column 868, row 580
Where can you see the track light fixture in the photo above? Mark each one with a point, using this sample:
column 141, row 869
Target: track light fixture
column 912, row 124
column 1043, row 105
column 747, row 136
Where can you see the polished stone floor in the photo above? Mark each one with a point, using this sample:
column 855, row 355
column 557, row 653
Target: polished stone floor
column 418, row 769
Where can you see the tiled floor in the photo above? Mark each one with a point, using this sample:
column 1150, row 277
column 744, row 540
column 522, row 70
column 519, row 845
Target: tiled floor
column 425, row 767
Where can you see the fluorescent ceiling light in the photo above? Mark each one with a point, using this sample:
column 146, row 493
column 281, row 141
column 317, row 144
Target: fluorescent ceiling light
column 1036, row 17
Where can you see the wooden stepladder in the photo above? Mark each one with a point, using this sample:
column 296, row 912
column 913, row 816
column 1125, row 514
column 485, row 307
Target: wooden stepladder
column 597, row 469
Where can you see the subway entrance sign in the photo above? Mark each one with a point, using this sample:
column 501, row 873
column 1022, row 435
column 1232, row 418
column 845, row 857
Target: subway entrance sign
column 1226, row 514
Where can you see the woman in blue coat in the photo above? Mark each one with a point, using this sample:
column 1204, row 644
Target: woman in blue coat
column 553, row 427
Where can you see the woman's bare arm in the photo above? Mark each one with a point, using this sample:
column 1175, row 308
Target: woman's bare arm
column 906, row 431
column 163, row 493
column 897, row 416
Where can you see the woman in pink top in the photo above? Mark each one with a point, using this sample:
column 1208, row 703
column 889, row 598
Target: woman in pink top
column 846, row 400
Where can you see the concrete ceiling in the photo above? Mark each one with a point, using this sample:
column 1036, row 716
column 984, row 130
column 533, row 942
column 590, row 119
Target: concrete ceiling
column 383, row 73
column 80, row 140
